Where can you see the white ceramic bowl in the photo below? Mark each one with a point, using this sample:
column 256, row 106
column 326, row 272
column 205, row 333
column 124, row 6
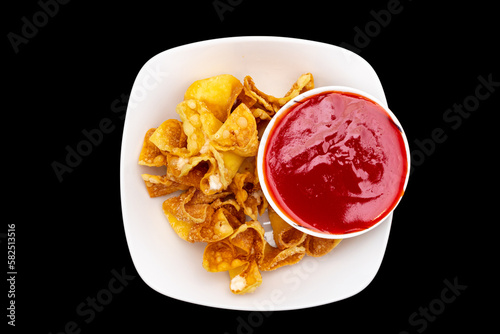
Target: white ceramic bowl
column 172, row 266
column 261, row 158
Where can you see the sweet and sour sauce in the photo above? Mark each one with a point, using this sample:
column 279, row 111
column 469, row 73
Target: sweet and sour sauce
column 335, row 162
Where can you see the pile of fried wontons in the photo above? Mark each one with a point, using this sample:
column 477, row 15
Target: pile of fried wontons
column 210, row 155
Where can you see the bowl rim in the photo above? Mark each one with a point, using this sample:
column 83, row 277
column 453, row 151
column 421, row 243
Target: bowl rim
column 285, row 108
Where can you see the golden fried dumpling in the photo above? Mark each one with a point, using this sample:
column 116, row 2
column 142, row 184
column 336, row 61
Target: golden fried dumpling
column 238, row 134
column 150, row 154
column 218, row 92
column 275, row 258
column 319, row 246
column 270, row 103
column 285, row 236
column 161, row 185
column 170, row 137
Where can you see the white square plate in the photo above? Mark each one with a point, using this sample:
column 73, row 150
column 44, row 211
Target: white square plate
column 173, row 266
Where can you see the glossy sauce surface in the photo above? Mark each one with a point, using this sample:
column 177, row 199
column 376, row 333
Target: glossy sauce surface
column 335, row 163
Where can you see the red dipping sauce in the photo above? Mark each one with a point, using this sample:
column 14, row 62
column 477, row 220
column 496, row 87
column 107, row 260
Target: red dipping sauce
column 335, row 163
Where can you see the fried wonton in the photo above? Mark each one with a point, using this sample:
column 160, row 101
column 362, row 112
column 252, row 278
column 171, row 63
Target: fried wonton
column 197, row 217
column 179, row 166
column 245, row 279
column 181, row 209
column 216, row 227
column 227, row 165
column 245, row 244
column 191, row 177
column 275, row 258
column 238, row 133
column 222, row 256
column 249, row 240
column 272, row 104
column 189, row 111
column 248, row 194
column 218, row 92
column 170, row 137
column 160, row 185
column 285, row 236
column 319, row 246
column 304, row 83
column 150, row 154
column 240, row 254
column 232, row 211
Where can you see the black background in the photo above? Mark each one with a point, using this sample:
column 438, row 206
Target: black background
column 70, row 236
